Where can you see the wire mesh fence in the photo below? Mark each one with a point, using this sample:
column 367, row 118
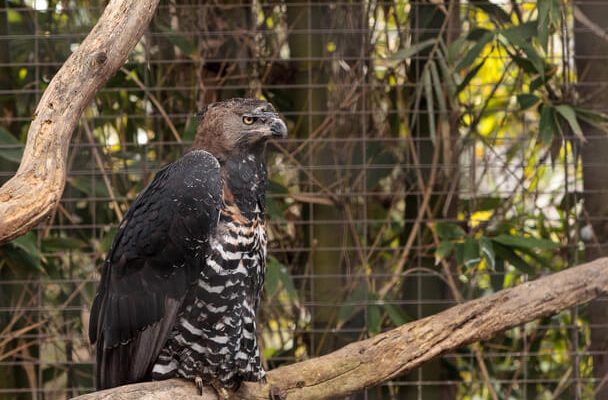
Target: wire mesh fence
column 434, row 156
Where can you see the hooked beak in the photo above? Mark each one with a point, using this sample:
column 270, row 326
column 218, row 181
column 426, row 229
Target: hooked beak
column 278, row 128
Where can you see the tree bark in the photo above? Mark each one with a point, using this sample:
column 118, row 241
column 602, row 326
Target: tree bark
column 372, row 361
column 36, row 188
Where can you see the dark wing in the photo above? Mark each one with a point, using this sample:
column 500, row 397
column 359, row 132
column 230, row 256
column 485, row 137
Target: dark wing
column 155, row 257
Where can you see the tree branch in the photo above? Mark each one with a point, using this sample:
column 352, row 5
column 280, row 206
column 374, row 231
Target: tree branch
column 370, row 362
column 36, row 188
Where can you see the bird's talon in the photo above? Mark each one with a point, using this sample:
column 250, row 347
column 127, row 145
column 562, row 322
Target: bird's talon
column 221, row 391
column 198, row 381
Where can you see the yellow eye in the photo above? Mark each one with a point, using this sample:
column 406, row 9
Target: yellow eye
column 248, row 120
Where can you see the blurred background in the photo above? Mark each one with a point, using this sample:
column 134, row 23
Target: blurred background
column 439, row 151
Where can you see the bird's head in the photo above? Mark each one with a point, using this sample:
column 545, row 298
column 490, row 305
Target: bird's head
column 238, row 125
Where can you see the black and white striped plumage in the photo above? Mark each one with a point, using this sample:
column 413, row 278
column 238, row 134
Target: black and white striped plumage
column 183, row 279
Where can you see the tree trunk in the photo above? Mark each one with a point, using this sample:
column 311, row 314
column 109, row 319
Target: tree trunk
column 35, row 190
column 592, row 70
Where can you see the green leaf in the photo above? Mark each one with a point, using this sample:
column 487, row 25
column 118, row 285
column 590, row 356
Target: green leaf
column 470, row 75
column 487, row 250
column 397, row 316
column 430, row 105
column 525, row 242
column 474, row 52
column 546, row 125
column 449, row 231
column 477, row 33
column 595, row 118
column 404, row 54
column 497, row 279
column 519, row 35
column 438, row 86
column 526, row 101
column 525, row 64
column 374, row 319
column 512, row 258
column 492, row 10
column 544, row 22
column 569, row 115
column 471, row 252
column 23, row 253
column 443, row 251
column 11, row 149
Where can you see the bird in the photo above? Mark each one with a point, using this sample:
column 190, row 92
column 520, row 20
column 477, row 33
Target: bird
column 183, row 278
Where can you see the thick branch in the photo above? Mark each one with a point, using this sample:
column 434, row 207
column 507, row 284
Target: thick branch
column 36, row 188
column 373, row 361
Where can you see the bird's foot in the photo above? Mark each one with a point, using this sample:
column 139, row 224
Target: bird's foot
column 198, row 381
column 222, row 392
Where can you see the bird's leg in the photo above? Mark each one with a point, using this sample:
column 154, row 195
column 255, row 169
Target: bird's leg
column 222, row 392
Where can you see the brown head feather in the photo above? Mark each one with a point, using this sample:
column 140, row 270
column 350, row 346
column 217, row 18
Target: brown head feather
column 221, row 128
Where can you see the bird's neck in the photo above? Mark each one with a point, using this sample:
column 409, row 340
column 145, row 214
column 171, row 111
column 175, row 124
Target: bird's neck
column 245, row 179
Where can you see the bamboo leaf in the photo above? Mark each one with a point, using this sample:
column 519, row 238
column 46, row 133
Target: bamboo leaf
column 469, row 76
column 492, row 10
column 521, row 34
column 546, row 125
column 525, row 242
column 487, row 250
column 474, row 52
column 567, row 112
column 397, row 316
column 437, row 85
column 406, row 53
column 512, row 258
column 430, row 105
column 544, row 22
column 526, row 100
